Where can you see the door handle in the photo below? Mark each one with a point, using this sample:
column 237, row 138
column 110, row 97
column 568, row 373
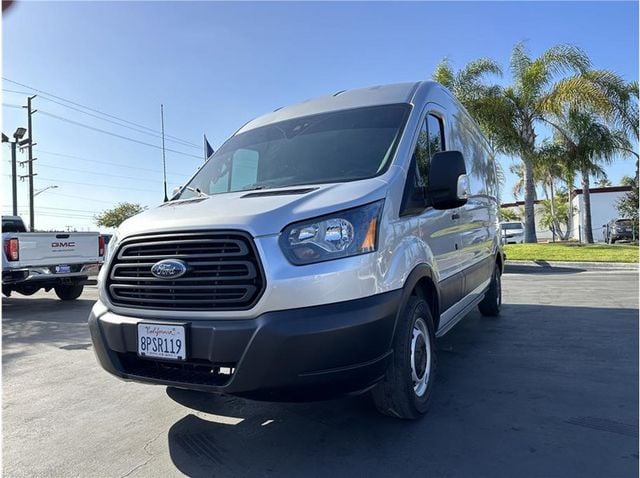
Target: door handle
column 455, row 216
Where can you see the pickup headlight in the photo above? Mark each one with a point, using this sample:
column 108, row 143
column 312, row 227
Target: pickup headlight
column 337, row 235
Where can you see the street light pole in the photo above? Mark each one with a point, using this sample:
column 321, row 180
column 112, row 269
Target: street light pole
column 17, row 136
column 44, row 189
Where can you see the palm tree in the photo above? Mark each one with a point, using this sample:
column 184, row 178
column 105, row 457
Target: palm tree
column 540, row 89
column 603, row 182
column 589, row 143
column 468, row 84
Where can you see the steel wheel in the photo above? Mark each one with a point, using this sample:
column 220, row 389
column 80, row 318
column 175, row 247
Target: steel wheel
column 420, row 357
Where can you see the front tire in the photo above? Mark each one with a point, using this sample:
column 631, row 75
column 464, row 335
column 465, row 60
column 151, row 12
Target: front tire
column 68, row 292
column 492, row 302
column 405, row 391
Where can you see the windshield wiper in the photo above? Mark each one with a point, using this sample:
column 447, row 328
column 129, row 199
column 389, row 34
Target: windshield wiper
column 197, row 191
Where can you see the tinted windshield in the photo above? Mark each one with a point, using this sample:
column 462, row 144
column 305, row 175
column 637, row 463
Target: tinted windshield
column 624, row 223
column 331, row 147
column 510, row 226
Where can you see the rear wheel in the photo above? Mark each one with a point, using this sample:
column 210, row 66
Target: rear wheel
column 68, row 292
column 405, row 390
column 492, row 302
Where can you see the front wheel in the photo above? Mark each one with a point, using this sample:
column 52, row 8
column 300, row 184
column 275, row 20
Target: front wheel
column 492, row 302
column 68, row 292
column 406, row 388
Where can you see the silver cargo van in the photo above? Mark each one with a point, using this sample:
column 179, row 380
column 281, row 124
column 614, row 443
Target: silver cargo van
column 319, row 252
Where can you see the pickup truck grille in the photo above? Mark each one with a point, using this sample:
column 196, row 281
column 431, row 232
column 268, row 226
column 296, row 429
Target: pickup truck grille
column 223, row 272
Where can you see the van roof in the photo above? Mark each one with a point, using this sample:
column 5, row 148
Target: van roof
column 342, row 100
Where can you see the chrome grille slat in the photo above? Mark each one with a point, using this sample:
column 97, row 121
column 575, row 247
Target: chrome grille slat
column 223, row 272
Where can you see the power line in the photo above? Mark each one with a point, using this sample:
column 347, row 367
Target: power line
column 155, row 135
column 11, row 105
column 81, row 197
column 91, row 109
column 111, row 133
column 97, row 173
column 119, row 188
column 111, row 163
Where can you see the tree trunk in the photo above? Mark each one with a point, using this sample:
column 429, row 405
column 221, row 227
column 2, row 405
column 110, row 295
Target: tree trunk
column 586, row 212
column 554, row 221
column 529, row 198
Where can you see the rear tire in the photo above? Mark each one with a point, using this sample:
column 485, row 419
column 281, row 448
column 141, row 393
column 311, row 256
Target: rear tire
column 405, row 391
column 492, row 302
column 68, row 292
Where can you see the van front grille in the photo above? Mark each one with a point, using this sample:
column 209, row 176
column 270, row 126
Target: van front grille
column 223, row 272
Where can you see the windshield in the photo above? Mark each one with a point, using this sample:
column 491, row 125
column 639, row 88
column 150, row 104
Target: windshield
column 330, row 147
column 511, row 226
column 624, row 223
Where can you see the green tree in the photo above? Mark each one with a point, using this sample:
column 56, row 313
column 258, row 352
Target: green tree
column 470, row 87
column 589, row 144
column 555, row 214
column 628, row 205
column 117, row 215
column 508, row 214
column 627, row 181
column 603, row 182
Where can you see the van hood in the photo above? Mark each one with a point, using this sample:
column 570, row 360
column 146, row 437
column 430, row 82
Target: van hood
column 262, row 212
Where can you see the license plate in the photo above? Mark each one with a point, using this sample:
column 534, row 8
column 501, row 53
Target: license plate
column 162, row 341
column 63, row 269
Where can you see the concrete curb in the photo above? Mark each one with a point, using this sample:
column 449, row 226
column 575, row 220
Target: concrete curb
column 592, row 266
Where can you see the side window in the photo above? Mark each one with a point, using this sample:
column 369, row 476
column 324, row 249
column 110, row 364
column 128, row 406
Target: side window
column 430, row 141
column 436, row 134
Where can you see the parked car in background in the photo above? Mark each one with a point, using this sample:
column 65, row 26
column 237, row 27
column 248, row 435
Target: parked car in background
column 62, row 261
column 512, row 232
column 618, row 230
column 319, row 252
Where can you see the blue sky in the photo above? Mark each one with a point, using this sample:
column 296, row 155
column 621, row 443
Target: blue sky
column 217, row 65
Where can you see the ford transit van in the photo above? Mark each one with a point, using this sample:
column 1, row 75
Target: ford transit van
column 318, row 253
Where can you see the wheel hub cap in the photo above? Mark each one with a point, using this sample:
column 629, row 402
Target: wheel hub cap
column 420, row 357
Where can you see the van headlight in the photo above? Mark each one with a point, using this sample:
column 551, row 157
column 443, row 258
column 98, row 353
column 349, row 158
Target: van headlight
column 337, row 235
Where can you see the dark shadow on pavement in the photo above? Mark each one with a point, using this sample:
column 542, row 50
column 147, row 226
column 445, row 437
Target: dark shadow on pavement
column 44, row 321
column 540, row 269
column 540, row 391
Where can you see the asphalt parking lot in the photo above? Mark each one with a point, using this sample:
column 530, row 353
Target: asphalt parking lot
column 549, row 389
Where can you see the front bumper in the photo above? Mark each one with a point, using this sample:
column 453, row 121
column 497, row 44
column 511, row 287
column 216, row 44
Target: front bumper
column 308, row 353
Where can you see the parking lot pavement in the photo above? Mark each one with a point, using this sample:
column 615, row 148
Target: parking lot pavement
column 549, row 389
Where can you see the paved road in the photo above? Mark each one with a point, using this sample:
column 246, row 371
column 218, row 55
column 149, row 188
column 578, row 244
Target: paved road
column 549, row 389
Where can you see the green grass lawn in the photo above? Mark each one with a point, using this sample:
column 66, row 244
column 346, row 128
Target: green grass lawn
column 572, row 252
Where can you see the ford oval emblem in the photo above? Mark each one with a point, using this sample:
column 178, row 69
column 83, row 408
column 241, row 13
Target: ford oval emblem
column 169, row 269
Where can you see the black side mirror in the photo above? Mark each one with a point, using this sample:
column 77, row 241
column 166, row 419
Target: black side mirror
column 448, row 183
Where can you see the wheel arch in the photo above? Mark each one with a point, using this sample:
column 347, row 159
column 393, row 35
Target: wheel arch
column 421, row 283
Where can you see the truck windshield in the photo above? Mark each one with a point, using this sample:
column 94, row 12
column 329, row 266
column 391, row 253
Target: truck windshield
column 330, row 147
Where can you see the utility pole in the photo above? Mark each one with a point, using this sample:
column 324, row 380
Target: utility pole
column 30, row 161
column 14, row 178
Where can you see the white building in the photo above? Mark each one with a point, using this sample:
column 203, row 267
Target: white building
column 603, row 210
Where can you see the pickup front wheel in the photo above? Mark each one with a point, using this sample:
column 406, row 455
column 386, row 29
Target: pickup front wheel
column 406, row 388
column 68, row 292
